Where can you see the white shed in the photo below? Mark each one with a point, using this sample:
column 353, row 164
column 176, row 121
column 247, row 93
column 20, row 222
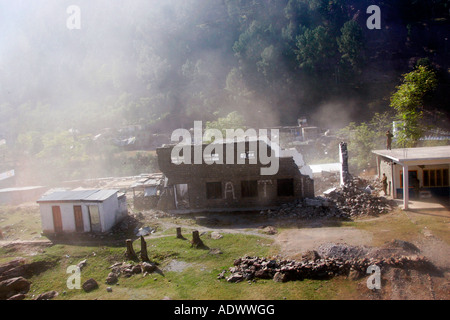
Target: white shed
column 81, row 210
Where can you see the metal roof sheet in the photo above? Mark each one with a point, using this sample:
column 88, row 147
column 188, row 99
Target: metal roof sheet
column 78, row 195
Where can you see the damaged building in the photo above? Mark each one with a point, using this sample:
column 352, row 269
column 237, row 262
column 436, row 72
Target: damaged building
column 221, row 186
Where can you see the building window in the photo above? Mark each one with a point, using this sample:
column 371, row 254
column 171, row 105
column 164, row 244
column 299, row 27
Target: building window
column 285, row 187
column 214, row 190
column 249, row 189
column 435, row 178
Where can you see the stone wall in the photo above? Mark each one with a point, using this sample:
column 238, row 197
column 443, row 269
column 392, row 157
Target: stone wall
column 270, row 191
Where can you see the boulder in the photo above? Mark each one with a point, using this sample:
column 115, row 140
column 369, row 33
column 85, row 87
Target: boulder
column 90, row 285
column 19, row 296
column 13, row 286
column 47, row 295
column 280, row 277
column 136, row 269
column 235, row 277
column 148, row 267
column 112, row 278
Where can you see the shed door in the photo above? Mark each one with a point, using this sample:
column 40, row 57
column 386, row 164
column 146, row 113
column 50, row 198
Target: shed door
column 79, row 225
column 94, row 215
column 57, row 220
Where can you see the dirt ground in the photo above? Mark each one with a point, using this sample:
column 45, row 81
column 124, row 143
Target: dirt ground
column 295, row 242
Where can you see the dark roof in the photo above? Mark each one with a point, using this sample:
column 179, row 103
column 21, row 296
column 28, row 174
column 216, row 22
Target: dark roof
column 78, row 195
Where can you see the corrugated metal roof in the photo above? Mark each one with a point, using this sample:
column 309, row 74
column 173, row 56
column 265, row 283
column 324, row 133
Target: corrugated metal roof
column 101, row 195
column 78, row 195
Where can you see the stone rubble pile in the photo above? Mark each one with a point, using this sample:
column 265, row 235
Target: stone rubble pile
column 128, row 269
column 354, row 199
column 250, row 268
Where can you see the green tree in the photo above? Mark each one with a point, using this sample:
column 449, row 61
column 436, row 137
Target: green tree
column 315, row 47
column 351, row 44
column 363, row 138
column 408, row 104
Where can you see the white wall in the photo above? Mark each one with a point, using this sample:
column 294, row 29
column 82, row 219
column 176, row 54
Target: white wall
column 109, row 210
column 67, row 216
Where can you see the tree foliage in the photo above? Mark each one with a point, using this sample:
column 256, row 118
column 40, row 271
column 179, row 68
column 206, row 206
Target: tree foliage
column 408, row 104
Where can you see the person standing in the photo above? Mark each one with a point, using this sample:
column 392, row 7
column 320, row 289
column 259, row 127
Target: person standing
column 384, row 184
column 389, row 137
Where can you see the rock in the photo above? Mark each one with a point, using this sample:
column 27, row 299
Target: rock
column 136, row 269
column 280, row 277
column 270, row 230
column 215, row 251
column 354, row 274
column 19, row 296
column 235, row 277
column 47, row 295
column 216, row 236
column 108, row 289
column 13, row 286
column 90, row 285
column 311, row 255
column 148, row 267
column 112, row 278
column 82, row 264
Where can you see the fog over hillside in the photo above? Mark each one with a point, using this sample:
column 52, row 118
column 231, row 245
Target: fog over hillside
column 164, row 64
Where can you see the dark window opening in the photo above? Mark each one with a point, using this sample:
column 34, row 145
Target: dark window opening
column 214, row 190
column 285, row 187
column 249, row 189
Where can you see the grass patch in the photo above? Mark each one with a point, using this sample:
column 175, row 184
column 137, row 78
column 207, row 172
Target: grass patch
column 197, row 280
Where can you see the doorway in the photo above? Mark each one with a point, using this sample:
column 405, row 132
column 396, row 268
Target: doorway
column 79, row 225
column 57, row 220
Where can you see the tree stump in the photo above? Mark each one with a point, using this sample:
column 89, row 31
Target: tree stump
column 179, row 235
column 196, row 241
column 130, row 251
column 144, row 255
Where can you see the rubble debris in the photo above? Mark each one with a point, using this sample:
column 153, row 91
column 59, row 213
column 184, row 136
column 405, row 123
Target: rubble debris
column 144, row 231
column 250, row 268
column 345, row 202
column 127, row 270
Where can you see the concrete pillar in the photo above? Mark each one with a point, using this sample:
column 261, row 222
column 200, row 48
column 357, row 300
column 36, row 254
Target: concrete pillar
column 405, row 187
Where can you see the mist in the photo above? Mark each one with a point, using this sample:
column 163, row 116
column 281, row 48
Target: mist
column 162, row 65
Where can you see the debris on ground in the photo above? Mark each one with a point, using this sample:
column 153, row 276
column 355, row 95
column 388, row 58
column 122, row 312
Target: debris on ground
column 328, row 261
column 126, row 270
column 349, row 201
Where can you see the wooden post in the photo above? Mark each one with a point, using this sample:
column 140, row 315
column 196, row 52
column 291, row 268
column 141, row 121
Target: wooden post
column 130, row 251
column 144, row 256
column 196, row 241
column 179, row 235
